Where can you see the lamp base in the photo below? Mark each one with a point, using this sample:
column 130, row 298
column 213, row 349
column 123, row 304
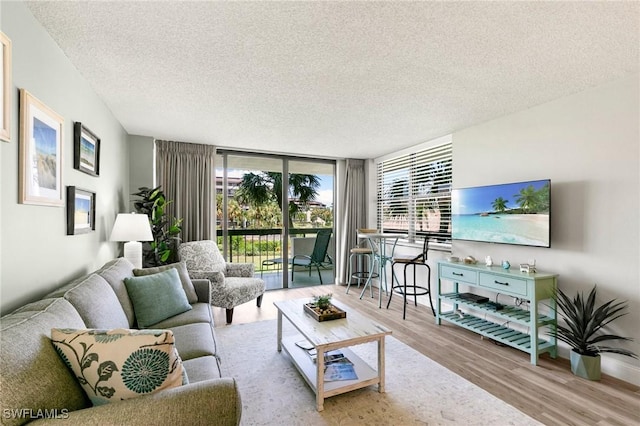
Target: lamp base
column 133, row 253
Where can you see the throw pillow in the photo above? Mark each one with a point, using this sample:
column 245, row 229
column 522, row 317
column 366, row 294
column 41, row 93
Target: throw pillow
column 112, row 365
column 157, row 297
column 181, row 267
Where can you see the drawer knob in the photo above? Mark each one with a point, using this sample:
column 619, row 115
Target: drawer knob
column 498, row 282
column 458, row 274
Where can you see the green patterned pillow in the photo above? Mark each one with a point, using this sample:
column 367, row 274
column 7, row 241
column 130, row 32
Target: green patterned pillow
column 112, row 365
column 157, row 297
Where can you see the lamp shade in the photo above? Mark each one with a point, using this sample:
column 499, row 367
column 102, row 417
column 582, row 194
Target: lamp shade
column 131, row 227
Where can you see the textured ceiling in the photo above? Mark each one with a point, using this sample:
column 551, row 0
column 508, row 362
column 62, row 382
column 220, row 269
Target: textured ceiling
column 336, row 79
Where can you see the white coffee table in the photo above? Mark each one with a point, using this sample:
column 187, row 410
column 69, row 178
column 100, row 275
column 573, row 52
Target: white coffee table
column 327, row 336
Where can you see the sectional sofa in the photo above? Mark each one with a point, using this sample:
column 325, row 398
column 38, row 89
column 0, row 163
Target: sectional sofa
column 36, row 381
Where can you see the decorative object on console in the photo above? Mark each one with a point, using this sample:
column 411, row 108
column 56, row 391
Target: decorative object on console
column 40, row 153
column 488, row 261
column 506, row 264
column 5, row 88
column 164, row 244
column 470, row 260
column 86, row 150
column 584, row 322
column 132, row 228
column 81, row 211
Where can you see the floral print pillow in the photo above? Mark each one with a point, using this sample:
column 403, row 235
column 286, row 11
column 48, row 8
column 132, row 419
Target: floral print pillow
column 112, row 365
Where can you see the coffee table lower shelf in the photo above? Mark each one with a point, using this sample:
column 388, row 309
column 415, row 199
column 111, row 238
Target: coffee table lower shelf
column 367, row 376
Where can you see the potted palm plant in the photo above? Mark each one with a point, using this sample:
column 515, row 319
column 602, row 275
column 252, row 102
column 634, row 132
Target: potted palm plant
column 583, row 331
column 165, row 229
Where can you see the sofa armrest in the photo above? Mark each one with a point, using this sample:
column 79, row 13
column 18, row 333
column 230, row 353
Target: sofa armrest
column 216, row 400
column 239, row 270
column 203, row 289
column 216, row 278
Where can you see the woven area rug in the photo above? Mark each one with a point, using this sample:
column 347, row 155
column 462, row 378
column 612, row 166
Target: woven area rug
column 419, row 391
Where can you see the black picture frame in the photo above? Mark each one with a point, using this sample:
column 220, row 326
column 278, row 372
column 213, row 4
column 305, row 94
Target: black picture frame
column 86, row 150
column 81, row 211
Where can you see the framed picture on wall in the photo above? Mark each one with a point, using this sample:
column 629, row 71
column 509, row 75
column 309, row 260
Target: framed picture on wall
column 81, row 211
column 40, row 153
column 5, row 88
column 86, row 150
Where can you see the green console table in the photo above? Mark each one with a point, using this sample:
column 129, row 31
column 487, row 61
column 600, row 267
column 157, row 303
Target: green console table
column 485, row 319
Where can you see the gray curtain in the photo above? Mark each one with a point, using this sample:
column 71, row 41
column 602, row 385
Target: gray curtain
column 354, row 213
column 186, row 173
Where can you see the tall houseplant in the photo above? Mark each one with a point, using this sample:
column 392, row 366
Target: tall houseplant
column 583, row 330
column 165, row 229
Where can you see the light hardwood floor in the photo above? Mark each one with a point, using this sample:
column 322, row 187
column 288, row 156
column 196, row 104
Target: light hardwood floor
column 549, row 392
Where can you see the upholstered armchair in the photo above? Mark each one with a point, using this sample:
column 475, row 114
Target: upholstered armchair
column 232, row 284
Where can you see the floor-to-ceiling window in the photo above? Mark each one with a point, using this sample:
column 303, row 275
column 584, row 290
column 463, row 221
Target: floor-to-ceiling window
column 265, row 219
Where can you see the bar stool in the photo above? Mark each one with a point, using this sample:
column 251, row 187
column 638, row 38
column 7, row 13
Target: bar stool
column 359, row 255
column 414, row 289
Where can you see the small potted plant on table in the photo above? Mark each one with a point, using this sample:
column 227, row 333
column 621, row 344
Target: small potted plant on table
column 322, row 309
column 582, row 332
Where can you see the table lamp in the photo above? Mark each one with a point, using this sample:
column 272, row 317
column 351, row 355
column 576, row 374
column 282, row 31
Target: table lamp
column 132, row 228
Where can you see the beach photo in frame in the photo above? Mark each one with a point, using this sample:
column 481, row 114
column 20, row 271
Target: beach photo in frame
column 40, row 153
column 86, row 150
column 81, row 211
column 5, row 88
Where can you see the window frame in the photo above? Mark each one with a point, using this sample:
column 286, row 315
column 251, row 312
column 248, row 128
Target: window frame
column 427, row 170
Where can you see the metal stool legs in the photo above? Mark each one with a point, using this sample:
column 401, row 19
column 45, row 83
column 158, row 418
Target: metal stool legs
column 411, row 289
column 360, row 274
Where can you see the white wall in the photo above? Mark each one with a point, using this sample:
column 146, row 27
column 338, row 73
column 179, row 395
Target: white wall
column 588, row 145
column 142, row 166
column 37, row 255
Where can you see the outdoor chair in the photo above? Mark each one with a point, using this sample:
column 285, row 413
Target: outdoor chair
column 232, row 284
column 316, row 259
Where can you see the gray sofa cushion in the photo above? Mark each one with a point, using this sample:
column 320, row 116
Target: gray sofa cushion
column 32, row 375
column 181, row 267
column 202, row 368
column 97, row 304
column 114, row 272
column 194, row 340
column 200, row 312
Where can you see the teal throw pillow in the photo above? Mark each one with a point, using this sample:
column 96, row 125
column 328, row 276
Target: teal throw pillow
column 157, row 297
column 181, row 267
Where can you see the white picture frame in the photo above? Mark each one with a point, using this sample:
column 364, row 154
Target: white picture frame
column 40, row 153
column 5, row 88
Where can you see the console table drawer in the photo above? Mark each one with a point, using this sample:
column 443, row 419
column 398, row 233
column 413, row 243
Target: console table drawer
column 503, row 284
column 459, row 274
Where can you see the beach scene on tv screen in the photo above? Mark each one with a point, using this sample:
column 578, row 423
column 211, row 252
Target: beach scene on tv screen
column 514, row 213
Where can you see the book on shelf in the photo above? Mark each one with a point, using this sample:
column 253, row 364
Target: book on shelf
column 341, row 370
column 338, row 367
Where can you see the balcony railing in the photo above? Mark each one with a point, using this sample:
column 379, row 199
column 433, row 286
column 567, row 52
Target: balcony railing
column 257, row 245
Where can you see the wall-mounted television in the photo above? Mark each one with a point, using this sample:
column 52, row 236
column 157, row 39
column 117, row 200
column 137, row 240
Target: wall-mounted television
column 510, row 213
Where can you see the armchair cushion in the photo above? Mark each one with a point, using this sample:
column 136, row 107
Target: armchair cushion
column 240, row 270
column 112, row 365
column 157, row 297
column 202, row 256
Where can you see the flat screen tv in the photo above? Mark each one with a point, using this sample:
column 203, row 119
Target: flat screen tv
column 510, row 213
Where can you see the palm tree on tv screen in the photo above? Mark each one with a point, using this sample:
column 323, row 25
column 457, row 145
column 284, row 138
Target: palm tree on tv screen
column 499, row 204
